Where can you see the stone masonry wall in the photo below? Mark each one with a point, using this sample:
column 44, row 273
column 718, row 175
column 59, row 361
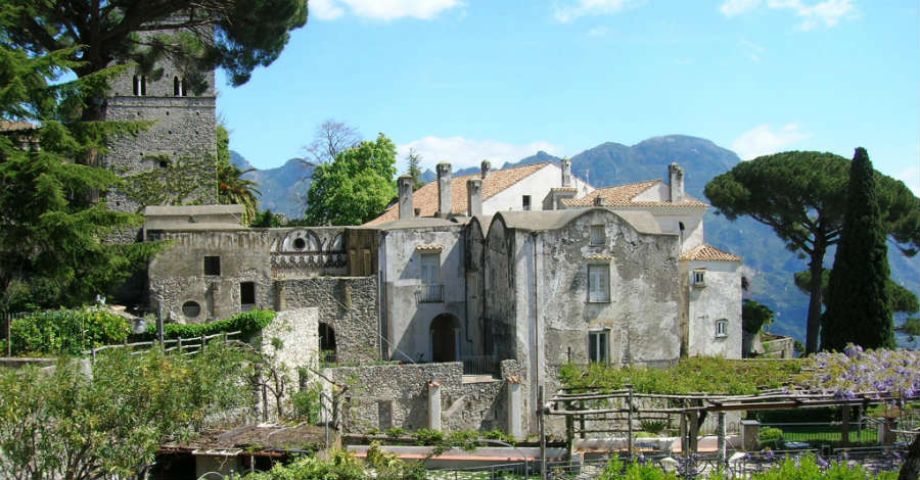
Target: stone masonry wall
column 347, row 304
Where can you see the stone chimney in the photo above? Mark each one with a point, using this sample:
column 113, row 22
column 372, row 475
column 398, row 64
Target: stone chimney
column 566, row 172
column 486, row 166
column 474, row 197
column 444, row 181
column 598, row 201
column 676, row 182
column 404, row 184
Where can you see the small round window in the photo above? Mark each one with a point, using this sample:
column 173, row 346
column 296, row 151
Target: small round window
column 191, row 309
column 300, row 243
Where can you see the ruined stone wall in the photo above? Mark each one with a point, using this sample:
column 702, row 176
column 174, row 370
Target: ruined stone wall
column 498, row 307
column 347, row 304
column 386, row 396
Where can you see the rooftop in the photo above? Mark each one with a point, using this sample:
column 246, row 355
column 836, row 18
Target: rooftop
column 626, row 196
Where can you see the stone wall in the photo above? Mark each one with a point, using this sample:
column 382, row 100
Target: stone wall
column 291, row 341
column 347, row 304
column 385, row 396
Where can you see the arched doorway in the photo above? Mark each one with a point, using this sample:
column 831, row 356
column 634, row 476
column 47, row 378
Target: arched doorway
column 445, row 338
column 326, row 343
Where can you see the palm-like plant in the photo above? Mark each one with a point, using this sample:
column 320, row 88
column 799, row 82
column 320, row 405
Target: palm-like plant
column 233, row 189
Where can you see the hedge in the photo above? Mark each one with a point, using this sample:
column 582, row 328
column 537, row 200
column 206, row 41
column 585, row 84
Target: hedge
column 67, row 332
column 249, row 323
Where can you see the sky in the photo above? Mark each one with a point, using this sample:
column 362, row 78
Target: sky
column 467, row 80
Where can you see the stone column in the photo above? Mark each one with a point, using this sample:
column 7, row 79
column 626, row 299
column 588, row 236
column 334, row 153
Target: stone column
column 750, row 429
column 434, row 405
column 722, row 444
column 444, row 190
column 515, row 408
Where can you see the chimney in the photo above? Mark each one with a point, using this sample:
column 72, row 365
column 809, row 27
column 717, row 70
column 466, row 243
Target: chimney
column 404, row 184
column 474, row 197
column 486, row 166
column 566, row 172
column 598, row 201
column 676, row 182
column 444, row 181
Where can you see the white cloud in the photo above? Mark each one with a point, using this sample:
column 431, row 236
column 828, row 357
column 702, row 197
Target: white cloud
column 570, row 10
column 325, row 10
column 827, row 12
column 736, row 7
column 598, row 32
column 381, row 9
column 463, row 152
column 911, row 177
column 764, row 140
column 751, row 50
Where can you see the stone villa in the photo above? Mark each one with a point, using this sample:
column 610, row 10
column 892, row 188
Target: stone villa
column 479, row 287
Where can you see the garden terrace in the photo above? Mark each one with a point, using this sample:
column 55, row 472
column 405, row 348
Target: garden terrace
column 623, row 400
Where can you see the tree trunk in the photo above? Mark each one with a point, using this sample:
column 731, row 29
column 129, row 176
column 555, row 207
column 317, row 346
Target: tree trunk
column 911, row 468
column 816, row 267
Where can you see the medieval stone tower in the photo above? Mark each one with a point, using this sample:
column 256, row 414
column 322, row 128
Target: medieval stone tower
column 180, row 141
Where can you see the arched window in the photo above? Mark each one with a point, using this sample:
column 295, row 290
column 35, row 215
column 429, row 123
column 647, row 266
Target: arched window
column 326, row 343
column 178, row 86
column 136, row 85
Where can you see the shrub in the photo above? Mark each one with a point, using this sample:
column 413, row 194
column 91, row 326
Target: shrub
column 427, row 436
column 67, row 332
column 653, row 426
column 341, row 466
column 770, row 437
column 249, row 323
column 307, row 404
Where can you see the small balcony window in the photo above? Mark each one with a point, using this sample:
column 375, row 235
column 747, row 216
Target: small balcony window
column 698, row 278
column 721, row 328
column 599, row 283
column 598, row 346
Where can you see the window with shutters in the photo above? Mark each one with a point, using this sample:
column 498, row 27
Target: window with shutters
column 598, row 235
column 598, row 346
column 430, row 290
column 599, row 283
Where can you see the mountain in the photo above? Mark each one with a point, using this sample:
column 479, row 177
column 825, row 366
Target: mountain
column 283, row 189
column 767, row 263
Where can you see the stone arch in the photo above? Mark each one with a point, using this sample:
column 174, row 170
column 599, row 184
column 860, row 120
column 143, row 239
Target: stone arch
column 445, row 338
column 327, row 345
column 301, row 241
column 337, row 244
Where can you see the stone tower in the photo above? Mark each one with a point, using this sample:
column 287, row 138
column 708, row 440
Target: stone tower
column 182, row 134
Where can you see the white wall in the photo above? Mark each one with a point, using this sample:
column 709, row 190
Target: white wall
column 719, row 299
column 537, row 185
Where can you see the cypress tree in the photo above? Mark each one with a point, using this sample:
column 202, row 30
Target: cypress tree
column 858, row 308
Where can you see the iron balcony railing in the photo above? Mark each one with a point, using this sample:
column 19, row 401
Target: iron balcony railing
column 430, row 293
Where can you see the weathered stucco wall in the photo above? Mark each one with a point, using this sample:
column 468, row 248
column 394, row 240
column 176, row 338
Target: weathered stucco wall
column 347, row 304
column 408, row 313
column 719, row 299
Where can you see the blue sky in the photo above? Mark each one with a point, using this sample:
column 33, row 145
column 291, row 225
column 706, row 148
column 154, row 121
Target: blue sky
column 463, row 80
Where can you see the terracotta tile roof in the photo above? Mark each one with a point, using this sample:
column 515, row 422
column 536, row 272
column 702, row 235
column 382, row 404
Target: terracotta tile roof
column 706, row 252
column 624, row 195
column 8, row 126
column 425, row 199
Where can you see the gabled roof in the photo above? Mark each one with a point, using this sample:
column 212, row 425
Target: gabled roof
column 625, row 196
column 708, row 253
column 536, row 221
column 425, row 199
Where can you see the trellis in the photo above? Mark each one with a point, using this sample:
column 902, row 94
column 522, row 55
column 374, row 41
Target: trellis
column 575, row 405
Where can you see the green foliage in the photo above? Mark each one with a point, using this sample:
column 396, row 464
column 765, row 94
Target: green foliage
column 114, row 420
column 770, row 437
column 181, row 182
column 395, row 432
column 354, row 188
column 52, row 248
column 415, row 169
column 232, row 188
column 616, row 470
column 308, row 404
column 466, row 440
column 858, row 305
column 802, row 197
column 690, row 375
column 911, row 326
column 247, row 34
column 249, row 323
column 341, row 466
column 754, row 316
column 902, row 299
column 427, row 436
column 389, row 467
column 67, row 332
column 268, row 219
column 653, row 426
column 500, row 435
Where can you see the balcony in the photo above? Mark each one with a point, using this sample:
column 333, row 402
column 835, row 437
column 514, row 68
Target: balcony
column 430, row 293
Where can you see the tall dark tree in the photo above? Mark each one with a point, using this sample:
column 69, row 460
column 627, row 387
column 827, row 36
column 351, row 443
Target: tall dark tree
column 197, row 36
column 858, row 306
column 802, row 196
column 52, row 251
